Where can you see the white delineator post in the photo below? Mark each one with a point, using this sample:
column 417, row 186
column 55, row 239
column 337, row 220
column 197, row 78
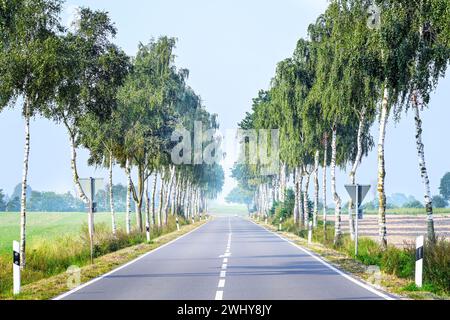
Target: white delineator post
column 279, row 227
column 419, row 261
column 178, row 225
column 16, row 267
column 147, row 231
column 310, row 232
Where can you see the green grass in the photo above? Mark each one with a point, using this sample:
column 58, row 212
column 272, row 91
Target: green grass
column 47, row 226
column 58, row 240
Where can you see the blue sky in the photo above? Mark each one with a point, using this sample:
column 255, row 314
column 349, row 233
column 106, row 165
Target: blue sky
column 231, row 49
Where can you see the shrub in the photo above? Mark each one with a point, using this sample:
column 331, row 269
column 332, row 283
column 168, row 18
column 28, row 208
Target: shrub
column 400, row 262
column 436, row 264
column 369, row 251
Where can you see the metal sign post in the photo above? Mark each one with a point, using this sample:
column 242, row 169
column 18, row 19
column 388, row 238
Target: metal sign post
column 357, row 194
column 16, row 267
column 90, row 186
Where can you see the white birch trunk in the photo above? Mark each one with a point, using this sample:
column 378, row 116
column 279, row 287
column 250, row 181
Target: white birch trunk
column 161, row 199
column 111, row 195
column 174, row 197
column 169, row 193
column 356, row 163
column 128, row 200
column 336, row 198
column 324, row 180
column 283, row 183
column 147, row 212
column 76, row 180
column 155, row 180
column 23, row 201
column 424, row 171
column 296, row 196
column 301, row 208
column 316, row 189
column 382, row 170
column 306, row 200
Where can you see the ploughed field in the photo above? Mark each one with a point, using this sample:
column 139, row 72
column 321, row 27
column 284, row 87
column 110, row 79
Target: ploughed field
column 401, row 228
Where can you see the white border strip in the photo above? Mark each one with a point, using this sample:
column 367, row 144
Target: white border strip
column 62, row 296
column 315, row 256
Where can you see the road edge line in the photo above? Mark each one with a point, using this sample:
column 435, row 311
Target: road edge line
column 92, row 281
column 327, row 264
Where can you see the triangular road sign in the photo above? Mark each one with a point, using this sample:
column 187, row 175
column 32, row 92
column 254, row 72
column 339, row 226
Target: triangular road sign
column 362, row 192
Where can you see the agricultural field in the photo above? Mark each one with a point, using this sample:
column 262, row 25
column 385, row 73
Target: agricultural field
column 411, row 211
column 228, row 209
column 45, row 226
column 401, row 228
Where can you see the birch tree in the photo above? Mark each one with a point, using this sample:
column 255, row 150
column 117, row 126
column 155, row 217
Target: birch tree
column 432, row 57
column 30, row 69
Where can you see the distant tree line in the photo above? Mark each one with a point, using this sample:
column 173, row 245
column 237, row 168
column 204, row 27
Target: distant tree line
column 48, row 201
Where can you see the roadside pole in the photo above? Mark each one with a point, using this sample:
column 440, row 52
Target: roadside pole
column 147, row 231
column 357, row 193
column 91, row 219
column 419, row 261
column 310, row 224
column 279, row 227
column 16, row 268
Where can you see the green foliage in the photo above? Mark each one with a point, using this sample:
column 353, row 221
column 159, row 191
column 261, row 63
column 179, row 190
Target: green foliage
column 400, row 262
column 413, row 204
column 2, row 201
column 13, row 205
column 436, row 264
column 444, row 187
column 240, row 196
column 369, row 251
column 53, row 202
column 439, row 202
column 283, row 210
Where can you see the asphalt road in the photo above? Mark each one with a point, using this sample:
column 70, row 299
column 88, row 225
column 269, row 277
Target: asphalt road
column 231, row 259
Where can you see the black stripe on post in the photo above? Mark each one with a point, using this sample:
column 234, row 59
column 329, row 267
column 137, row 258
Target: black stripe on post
column 16, row 258
column 419, row 253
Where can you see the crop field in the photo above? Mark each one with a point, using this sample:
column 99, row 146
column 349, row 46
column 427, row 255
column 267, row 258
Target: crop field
column 401, row 228
column 46, row 226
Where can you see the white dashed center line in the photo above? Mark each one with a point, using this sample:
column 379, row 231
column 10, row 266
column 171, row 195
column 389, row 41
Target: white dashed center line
column 219, row 295
column 223, row 272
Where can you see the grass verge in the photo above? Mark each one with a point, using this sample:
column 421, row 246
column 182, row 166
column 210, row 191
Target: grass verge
column 50, row 283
